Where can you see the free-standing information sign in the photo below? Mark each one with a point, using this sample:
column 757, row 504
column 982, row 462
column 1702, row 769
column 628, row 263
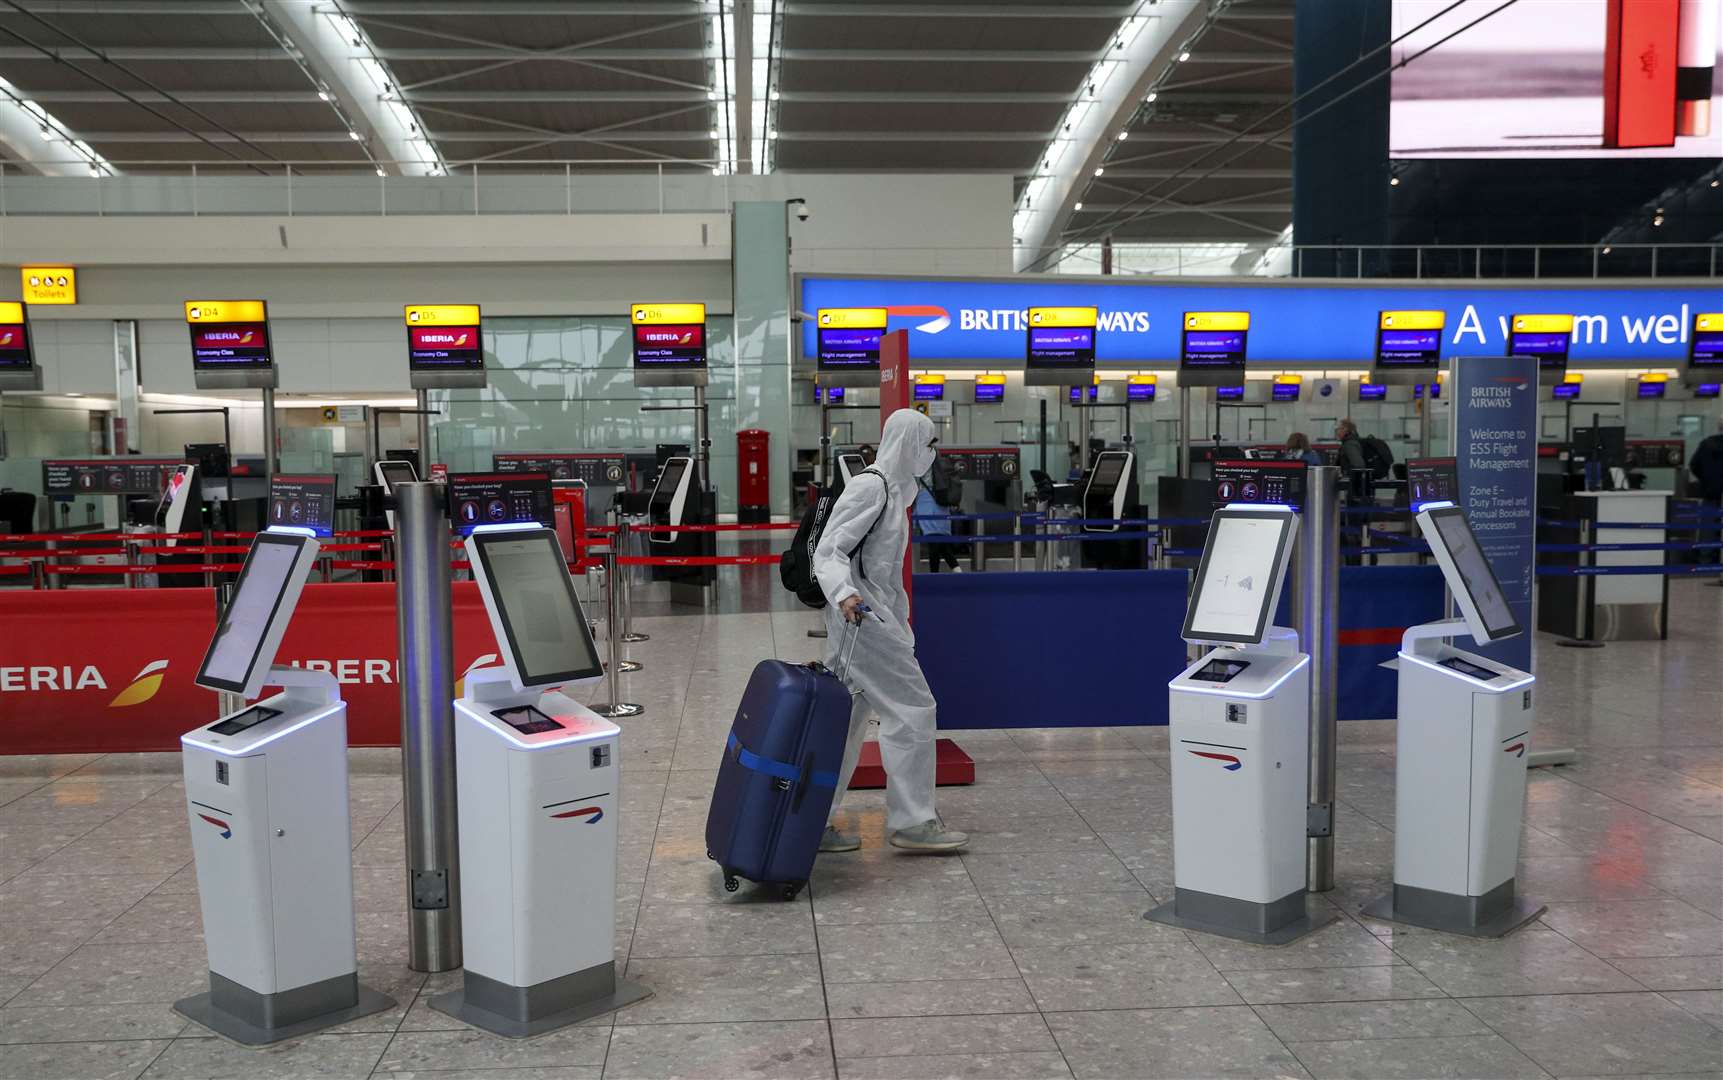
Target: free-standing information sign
column 1495, row 417
column 303, row 501
column 444, row 349
column 230, row 344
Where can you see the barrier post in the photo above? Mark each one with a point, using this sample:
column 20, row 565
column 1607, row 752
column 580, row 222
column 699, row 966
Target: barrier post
column 615, row 707
column 1316, row 616
column 628, row 633
column 424, row 616
column 1585, row 611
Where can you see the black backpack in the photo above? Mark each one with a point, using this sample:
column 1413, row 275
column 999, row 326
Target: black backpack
column 796, row 564
column 1378, row 457
column 943, row 484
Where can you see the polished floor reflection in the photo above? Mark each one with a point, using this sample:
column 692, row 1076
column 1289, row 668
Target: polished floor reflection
column 1025, row 957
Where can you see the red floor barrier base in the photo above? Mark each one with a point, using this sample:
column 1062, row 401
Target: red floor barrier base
column 952, row 767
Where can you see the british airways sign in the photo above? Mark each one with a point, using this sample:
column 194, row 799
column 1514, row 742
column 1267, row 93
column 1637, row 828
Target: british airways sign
column 1139, row 320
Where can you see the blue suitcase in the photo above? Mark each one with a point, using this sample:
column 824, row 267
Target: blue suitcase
column 779, row 775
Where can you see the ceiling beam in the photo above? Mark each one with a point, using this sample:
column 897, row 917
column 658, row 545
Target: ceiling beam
column 954, row 96
column 174, row 53
column 1128, row 173
column 532, row 8
column 1110, row 12
column 1192, row 208
column 195, row 97
column 341, row 60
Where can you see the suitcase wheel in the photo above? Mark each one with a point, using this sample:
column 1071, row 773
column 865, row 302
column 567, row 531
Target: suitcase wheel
column 711, row 856
column 731, row 884
column 790, row 892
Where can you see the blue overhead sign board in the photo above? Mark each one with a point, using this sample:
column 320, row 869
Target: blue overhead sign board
column 1290, row 322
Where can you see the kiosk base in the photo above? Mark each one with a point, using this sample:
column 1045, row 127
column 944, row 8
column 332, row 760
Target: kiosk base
column 520, row 1012
column 1492, row 915
column 255, row 1019
column 1275, row 923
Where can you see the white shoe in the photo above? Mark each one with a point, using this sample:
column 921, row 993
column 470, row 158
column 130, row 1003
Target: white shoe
column 834, row 841
column 929, row 836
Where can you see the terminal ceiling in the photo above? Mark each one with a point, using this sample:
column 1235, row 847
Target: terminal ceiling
column 426, row 86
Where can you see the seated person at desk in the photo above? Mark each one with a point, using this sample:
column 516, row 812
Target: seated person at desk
column 1298, row 449
column 1707, row 468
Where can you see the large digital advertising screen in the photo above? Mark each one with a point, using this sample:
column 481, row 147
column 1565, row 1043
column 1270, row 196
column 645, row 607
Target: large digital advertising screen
column 1555, row 79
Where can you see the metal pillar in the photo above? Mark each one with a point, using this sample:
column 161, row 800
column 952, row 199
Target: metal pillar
column 424, row 419
column 270, row 465
column 702, row 442
column 1316, row 615
column 614, row 707
column 1184, row 432
column 424, row 618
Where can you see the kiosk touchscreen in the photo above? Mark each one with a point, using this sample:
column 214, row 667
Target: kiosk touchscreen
column 669, row 498
column 1463, row 735
column 390, row 473
column 536, row 787
column 848, row 466
column 274, row 875
column 1109, row 484
column 1240, row 737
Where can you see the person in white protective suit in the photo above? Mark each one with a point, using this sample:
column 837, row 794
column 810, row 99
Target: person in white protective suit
column 865, row 597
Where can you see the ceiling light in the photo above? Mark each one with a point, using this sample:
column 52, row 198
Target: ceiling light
column 1607, row 249
column 717, row 171
column 380, row 172
column 711, row 95
column 1393, row 181
column 1153, row 94
column 322, row 95
column 772, row 134
column 1123, row 135
column 1100, row 170
column 1658, row 220
column 776, row 95
column 1714, row 183
column 1185, row 55
column 354, row 135
column 713, row 134
column 1077, row 206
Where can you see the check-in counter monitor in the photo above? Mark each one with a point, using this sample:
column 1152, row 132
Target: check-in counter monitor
column 1109, row 483
column 1463, row 734
column 1240, row 740
column 536, row 789
column 670, row 498
column 266, row 800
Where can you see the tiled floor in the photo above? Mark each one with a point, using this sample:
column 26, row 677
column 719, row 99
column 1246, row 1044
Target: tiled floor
column 1026, row 957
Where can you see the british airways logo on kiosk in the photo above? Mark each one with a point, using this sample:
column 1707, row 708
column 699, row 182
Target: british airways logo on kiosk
column 1291, row 322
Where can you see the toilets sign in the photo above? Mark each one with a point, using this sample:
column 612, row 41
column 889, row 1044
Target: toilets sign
column 1291, row 322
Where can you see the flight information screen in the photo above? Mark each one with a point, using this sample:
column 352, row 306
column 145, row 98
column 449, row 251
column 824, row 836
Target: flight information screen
column 1408, row 348
column 1549, row 346
column 14, row 339
column 1237, row 583
column 1706, row 349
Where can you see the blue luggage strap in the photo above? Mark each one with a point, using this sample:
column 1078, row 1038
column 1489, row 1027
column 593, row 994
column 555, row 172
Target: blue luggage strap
column 778, row 769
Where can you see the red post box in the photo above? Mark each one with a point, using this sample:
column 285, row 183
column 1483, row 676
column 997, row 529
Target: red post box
column 753, row 475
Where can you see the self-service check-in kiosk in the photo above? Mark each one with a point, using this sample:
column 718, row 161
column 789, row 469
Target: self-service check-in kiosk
column 669, row 498
column 266, row 792
column 536, row 785
column 1104, row 495
column 392, row 472
column 1463, row 735
column 1240, row 739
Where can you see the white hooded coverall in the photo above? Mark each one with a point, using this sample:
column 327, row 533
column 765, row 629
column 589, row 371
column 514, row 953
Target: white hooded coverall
column 883, row 665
